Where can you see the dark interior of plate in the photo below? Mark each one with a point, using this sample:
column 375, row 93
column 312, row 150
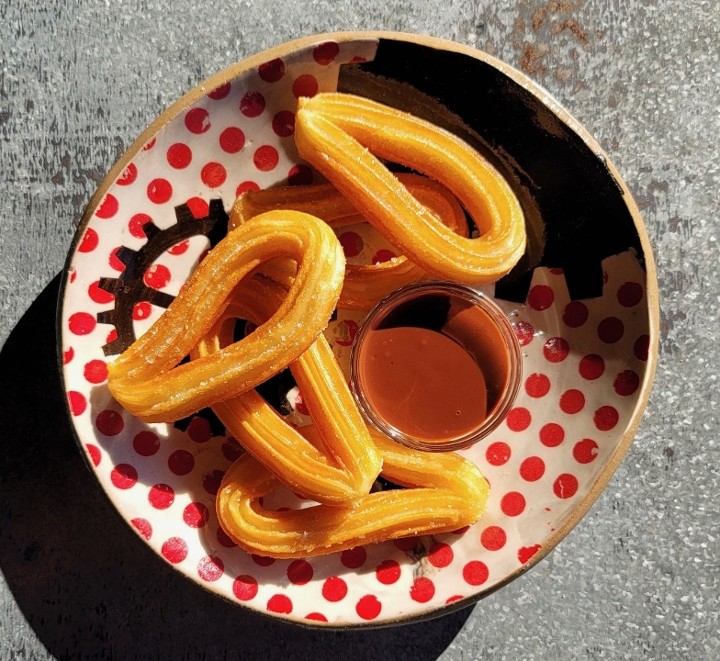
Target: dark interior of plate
column 583, row 302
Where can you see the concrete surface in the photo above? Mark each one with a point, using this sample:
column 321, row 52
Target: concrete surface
column 638, row 578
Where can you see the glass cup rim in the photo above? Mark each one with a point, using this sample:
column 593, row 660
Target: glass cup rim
column 475, row 298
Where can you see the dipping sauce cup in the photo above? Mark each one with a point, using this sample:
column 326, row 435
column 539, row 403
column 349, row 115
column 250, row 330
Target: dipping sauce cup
column 436, row 366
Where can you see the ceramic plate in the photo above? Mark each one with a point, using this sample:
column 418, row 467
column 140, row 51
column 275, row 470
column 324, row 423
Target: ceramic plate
column 583, row 302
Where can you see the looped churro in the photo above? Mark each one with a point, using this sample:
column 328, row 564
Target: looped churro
column 445, row 492
column 334, row 132
column 147, row 378
column 365, row 284
column 344, row 468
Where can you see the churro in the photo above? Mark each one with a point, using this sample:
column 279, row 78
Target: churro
column 344, row 136
column 444, row 492
column 343, row 469
column 147, row 378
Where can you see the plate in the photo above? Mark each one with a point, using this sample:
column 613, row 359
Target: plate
column 583, row 302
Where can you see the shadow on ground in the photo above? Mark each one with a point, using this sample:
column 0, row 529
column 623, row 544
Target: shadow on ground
column 87, row 585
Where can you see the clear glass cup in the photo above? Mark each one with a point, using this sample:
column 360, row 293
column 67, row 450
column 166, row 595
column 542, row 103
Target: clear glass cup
column 419, row 362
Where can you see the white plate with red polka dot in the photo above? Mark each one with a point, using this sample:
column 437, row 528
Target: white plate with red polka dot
column 583, row 303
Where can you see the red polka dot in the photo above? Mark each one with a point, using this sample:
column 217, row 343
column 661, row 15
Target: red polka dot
column 124, row 476
column 73, row 274
column 174, row 550
column 526, row 552
column 575, row 314
column 317, row 617
column 245, row 187
column 512, row 503
column 383, row 255
column 630, row 294
column 591, row 367
column 283, row 124
column 95, row 371
column 245, row 587
column 497, row 453
column 540, row 297
column 111, row 336
column 388, row 572
column 199, row 208
column 537, row 385
column 81, row 323
column 272, row 71
column 114, row 260
column 605, row 418
column 422, row 590
column 157, row 276
column 149, row 144
column 565, row 486
column 220, row 92
column 179, row 248
column 552, row 434
column 300, row 572
column 232, row 140
column 141, row 311
column 196, row 515
column 266, row 158
column 334, row 588
column 213, row 175
column 524, row 332
column 128, row 176
column 161, row 496
column 109, row 423
column 181, row 462
column 354, row 558
column 135, row 225
column 440, row 555
column 454, row 598
column 211, row 481
column 159, row 191
column 199, row 430
column 252, row 104
column 179, row 155
column 305, row 85
column 89, row 241
column 626, row 383
column 100, row 295
column 585, row 451
column 556, row 350
column 210, row 568
column 642, row 347
column 368, row 607
column 262, row 560
column 232, row 450
column 572, row 401
column 94, row 453
column 326, row 53
column 108, row 207
column 610, row 330
column 68, row 355
column 475, row 572
column 300, row 175
column 143, row 526
column 532, row 469
column 146, row 443
column 197, row 121
column 518, row 419
column 408, row 544
column 223, row 538
column 493, row 538
column 351, row 243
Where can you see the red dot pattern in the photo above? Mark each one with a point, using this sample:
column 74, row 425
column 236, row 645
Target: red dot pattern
column 540, row 456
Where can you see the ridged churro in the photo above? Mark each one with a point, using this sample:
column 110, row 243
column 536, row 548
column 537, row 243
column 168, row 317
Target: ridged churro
column 344, row 136
column 147, row 378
